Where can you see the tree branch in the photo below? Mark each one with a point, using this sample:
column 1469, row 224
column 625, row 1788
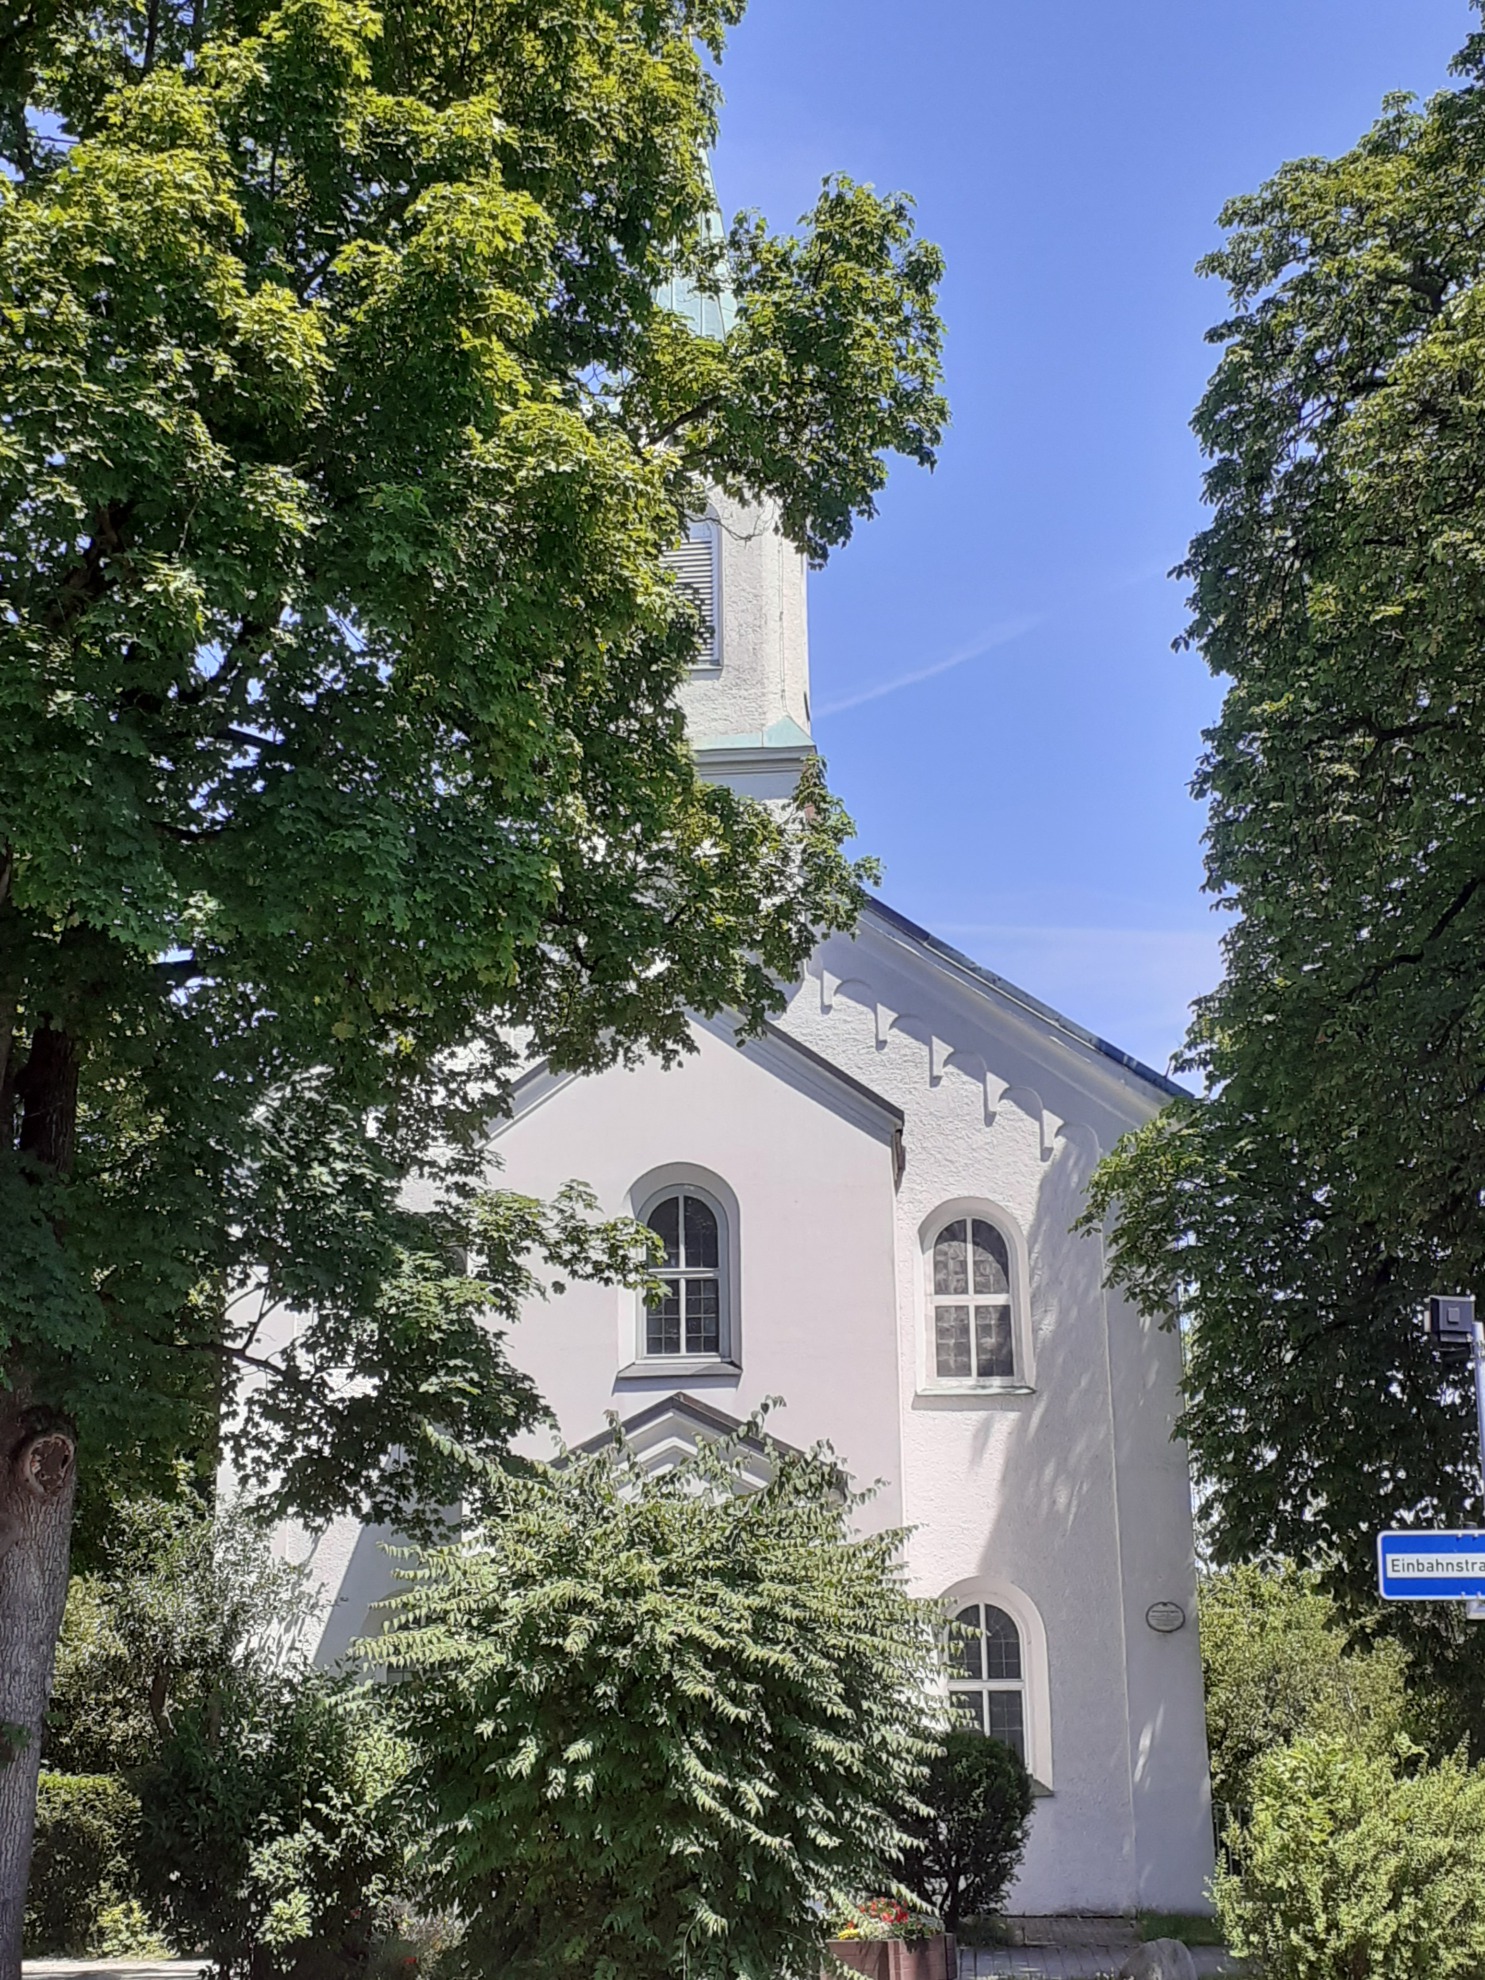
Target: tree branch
column 182, row 835
column 87, row 582
column 1456, row 907
column 700, row 410
column 223, row 1350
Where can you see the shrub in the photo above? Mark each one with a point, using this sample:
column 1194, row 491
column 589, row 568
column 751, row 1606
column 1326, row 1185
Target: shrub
column 276, row 1832
column 664, row 1722
column 82, row 1899
column 968, row 1842
column 266, row 1825
column 1354, row 1866
column 190, row 1596
column 1278, row 1666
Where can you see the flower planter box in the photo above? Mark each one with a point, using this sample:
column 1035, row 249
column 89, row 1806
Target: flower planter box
column 896, row 1959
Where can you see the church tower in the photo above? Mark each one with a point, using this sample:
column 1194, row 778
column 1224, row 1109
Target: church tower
column 747, row 702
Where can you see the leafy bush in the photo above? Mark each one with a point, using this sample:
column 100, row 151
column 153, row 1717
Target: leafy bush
column 968, row 1841
column 191, row 1595
column 1278, row 1666
column 82, row 1898
column 664, row 1722
column 266, row 1822
column 276, row 1830
column 1355, row 1866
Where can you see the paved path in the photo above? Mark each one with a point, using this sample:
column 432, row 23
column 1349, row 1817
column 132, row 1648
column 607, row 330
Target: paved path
column 1072, row 1962
column 1084, row 1962
column 112, row 1969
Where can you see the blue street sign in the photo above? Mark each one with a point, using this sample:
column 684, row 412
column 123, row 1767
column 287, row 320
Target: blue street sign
column 1431, row 1567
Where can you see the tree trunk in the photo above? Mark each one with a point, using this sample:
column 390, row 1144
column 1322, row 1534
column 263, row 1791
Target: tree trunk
column 38, row 1482
column 48, row 1090
column 38, row 1477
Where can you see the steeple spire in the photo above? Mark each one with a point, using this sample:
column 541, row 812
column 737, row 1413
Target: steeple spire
column 710, row 312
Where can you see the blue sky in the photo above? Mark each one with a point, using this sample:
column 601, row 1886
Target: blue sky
column 994, row 686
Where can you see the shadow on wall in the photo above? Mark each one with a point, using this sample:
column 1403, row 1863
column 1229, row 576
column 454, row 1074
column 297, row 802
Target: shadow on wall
column 368, row 1577
column 1067, row 1426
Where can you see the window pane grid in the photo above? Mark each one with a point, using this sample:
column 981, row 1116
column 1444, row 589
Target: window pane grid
column 687, row 1318
column 1005, row 1720
column 972, row 1342
column 985, row 1674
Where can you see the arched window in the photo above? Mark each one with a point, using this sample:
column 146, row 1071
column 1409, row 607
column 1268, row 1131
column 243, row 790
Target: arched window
column 972, row 1336
column 687, row 1319
column 987, row 1678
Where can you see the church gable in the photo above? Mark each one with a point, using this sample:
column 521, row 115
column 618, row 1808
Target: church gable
column 792, row 1062
column 895, row 1007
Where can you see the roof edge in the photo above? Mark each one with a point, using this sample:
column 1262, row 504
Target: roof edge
column 704, row 1415
column 986, row 978
column 828, row 1069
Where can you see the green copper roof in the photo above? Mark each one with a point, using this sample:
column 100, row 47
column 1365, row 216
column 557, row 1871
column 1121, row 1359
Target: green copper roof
column 783, row 734
column 712, row 312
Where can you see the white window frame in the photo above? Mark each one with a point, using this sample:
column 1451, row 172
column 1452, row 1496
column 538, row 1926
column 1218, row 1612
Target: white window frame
column 1035, row 1684
column 650, row 1191
column 1022, row 1379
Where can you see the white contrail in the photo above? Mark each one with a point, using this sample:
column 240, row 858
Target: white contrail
column 1000, row 635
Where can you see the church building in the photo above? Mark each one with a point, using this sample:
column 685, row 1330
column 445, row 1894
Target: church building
column 868, row 1213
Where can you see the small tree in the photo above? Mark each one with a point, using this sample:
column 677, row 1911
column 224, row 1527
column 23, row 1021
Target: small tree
column 970, row 1836
column 1278, row 1665
column 665, row 1723
column 276, row 1827
column 1353, row 1868
column 189, row 1598
column 252, row 1805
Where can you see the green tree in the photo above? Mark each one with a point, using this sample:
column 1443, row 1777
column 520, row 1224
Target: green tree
column 664, row 1723
column 968, row 1833
column 1278, row 1666
column 254, row 1806
column 341, row 438
column 1329, row 1180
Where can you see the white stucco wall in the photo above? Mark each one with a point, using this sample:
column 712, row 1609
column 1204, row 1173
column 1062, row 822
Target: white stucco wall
column 1073, row 1494
column 763, row 673
column 1064, row 1499
column 809, row 1169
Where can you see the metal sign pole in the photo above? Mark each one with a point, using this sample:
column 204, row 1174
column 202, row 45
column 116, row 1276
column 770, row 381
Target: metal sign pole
column 1474, row 1611
column 1422, row 1565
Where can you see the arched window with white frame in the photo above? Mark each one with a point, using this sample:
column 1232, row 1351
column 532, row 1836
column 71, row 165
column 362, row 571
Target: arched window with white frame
column 996, row 1671
column 690, row 1321
column 972, row 1332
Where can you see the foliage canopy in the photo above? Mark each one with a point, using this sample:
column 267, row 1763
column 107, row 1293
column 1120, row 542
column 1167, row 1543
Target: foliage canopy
column 1359, row 1866
column 341, row 436
column 1330, row 1179
column 1278, row 1666
column 210, row 1780
column 665, row 1722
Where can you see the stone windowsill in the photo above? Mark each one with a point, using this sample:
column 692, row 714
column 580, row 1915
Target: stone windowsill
column 661, row 1367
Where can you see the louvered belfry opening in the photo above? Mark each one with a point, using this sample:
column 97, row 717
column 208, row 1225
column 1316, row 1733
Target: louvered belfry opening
column 694, row 564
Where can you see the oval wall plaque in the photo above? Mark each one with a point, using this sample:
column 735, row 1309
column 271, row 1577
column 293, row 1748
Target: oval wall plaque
column 1167, row 1617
